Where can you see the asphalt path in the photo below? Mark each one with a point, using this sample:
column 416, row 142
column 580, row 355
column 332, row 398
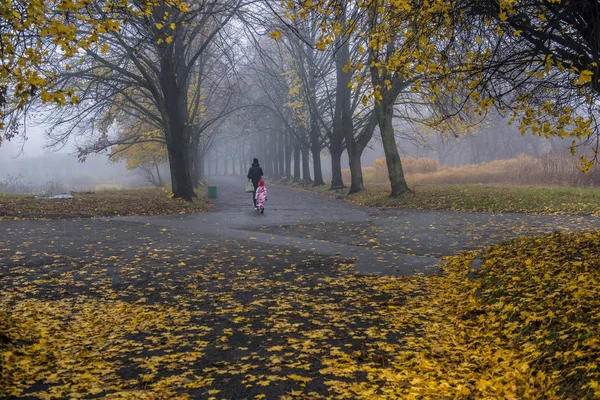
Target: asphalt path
column 378, row 241
column 230, row 301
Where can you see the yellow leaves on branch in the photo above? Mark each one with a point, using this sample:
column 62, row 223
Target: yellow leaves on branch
column 275, row 35
column 584, row 77
column 321, row 45
column 585, row 165
column 149, row 150
column 30, row 25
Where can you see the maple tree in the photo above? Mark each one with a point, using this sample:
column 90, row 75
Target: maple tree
column 147, row 156
column 320, row 89
column 277, row 89
column 36, row 34
column 467, row 57
column 152, row 66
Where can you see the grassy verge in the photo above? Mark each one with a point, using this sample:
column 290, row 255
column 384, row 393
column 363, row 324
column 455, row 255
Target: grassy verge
column 151, row 201
column 542, row 200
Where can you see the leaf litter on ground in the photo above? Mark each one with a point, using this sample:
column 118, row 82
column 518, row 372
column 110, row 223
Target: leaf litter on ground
column 159, row 315
column 108, row 203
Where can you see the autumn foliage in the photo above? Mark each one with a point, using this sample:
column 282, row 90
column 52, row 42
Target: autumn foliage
column 525, row 326
column 39, row 35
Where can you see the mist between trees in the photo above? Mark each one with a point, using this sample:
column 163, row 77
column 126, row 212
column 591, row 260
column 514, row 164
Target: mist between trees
column 308, row 87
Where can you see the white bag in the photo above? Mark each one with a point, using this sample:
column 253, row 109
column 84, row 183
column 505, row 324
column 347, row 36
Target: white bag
column 249, row 187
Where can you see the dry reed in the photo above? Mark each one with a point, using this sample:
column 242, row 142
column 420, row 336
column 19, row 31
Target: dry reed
column 556, row 169
column 409, row 166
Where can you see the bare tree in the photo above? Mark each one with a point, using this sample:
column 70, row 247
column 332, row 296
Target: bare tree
column 152, row 69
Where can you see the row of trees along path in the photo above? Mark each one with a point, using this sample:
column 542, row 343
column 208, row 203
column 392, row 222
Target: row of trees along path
column 290, row 81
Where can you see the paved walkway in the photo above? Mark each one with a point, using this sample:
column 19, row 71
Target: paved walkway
column 231, row 302
column 380, row 241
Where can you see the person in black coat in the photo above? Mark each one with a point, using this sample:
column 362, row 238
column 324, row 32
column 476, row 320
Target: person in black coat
column 255, row 173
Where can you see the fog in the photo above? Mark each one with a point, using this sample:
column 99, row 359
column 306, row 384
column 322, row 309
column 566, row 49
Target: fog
column 256, row 87
column 28, row 166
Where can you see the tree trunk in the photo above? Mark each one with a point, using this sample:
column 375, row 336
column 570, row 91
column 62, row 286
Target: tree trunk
column 297, row 163
column 318, row 172
column 288, row 158
column 315, row 131
column 181, row 182
column 275, row 155
column 197, row 167
column 200, row 168
column 336, row 150
column 355, row 151
column 474, row 152
column 193, row 166
column 341, row 127
column 306, row 164
column 281, row 152
column 385, row 115
column 160, row 183
column 177, row 133
column 241, row 161
column 265, row 162
column 356, row 175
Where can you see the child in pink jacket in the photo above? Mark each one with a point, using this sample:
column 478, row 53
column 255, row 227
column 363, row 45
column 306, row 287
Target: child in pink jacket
column 261, row 195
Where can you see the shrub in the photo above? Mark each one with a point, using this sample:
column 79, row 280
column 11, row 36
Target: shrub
column 381, row 171
column 419, row 165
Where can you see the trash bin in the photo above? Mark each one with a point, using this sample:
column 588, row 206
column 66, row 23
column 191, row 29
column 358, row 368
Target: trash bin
column 212, row 192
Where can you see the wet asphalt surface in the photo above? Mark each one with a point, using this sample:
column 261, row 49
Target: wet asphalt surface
column 239, row 288
column 378, row 241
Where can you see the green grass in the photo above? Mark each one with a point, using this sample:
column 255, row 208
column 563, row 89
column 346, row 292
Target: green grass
column 543, row 200
column 105, row 203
